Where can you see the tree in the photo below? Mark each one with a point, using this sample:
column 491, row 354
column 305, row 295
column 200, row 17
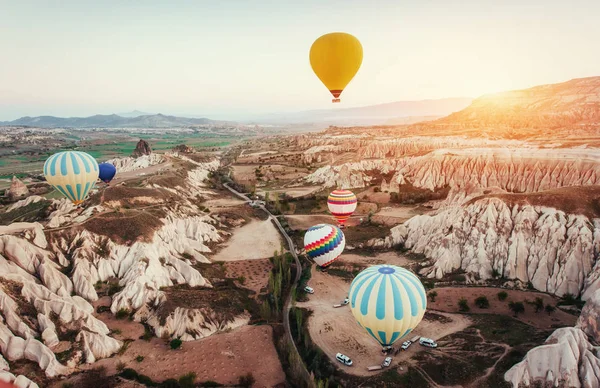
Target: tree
column 539, row 304
column 550, row 309
column 463, row 305
column 502, row 295
column 482, row 302
column 247, row 380
column 187, row 380
column 432, row 295
column 175, row 343
column 516, row 307
column 265, row 310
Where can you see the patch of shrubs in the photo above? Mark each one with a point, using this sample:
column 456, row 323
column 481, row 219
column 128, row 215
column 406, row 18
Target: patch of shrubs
column 482, row 302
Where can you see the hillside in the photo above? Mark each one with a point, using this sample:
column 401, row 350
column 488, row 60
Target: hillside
column 111, row 121
column 575, row 103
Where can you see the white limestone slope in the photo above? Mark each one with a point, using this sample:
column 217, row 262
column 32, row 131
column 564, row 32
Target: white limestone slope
column 131, row 164
column 30, row 273
column 144, row 267
column 189, row 324
column 48, row 281
column 556, row 252
column 567, row 358
column 513, row 170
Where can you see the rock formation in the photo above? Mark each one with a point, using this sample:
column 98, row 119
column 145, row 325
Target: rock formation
column 142, row 148
column 135, row 163
column 183, row 149
column 17, row 189
column 566, row 359
column 47, row 281
column 555, row 251
column 589, row 320
column 512, row 170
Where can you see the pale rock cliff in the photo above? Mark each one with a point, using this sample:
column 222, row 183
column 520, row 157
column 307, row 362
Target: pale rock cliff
column 556, row 252
column 566, row 359
column 131, row 164
column 512, row 170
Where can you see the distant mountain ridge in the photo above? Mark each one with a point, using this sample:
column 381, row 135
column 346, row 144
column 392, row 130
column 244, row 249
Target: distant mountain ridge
column 112, row 121
column 405, row 112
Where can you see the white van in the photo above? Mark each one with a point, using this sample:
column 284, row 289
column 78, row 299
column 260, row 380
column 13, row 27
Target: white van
column 343, row 359
column 428, row 342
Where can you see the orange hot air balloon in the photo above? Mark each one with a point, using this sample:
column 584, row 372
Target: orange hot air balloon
column 335, row 58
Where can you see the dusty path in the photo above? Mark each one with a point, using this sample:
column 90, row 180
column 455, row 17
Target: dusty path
column 255, row 240
column 335, row 330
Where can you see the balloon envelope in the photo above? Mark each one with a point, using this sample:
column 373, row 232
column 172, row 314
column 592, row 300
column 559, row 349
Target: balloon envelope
column 387, row 301
column 341, row 204
column 107, row 172
column 324, row 243
column 73, row 173
column 335, row 58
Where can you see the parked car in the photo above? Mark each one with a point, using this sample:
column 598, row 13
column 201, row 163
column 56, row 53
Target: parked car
column 405, row 345
column 309, row 290
column 428, row 342
column 343, row 359
column 346, row 301
column 387, row 362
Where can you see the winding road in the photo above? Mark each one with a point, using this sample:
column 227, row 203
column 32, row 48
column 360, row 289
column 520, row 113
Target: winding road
column 292, row 248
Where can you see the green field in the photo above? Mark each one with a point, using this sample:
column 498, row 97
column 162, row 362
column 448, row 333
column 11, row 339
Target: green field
column 105, row 146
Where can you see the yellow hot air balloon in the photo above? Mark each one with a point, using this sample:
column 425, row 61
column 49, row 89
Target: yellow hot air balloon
column 335, row 58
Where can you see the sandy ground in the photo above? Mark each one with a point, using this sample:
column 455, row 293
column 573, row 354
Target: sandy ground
column 255, row 272
column 254, row 240
column 395, row 215
column 392, row 258
column 335, row 329
column 293, row 192
column 244, row 172
column 448, row 297
column 371, row 196
column 223, row 203
column 221, row 357
column 305, row 221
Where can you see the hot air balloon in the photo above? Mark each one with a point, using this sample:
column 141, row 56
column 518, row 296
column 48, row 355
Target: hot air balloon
column 107, row 172
column 73, row 173
column 324, row 243
column 335, row 58
column 341, row 204
column 388, row 302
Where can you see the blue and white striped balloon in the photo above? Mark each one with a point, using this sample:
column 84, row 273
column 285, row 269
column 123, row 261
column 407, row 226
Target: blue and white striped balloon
column 387, row 301
column 73, row 173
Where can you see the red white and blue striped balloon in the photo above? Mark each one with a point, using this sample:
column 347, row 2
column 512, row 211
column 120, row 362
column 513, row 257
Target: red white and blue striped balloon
column 324, row 243
column 341, row 204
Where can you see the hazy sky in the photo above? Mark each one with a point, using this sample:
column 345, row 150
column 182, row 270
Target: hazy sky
column 227, row 58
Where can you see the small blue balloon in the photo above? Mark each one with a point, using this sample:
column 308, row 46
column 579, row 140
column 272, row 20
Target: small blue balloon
column 107, row 172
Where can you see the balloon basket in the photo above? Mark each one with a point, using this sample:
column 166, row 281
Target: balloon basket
column 335, row 100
